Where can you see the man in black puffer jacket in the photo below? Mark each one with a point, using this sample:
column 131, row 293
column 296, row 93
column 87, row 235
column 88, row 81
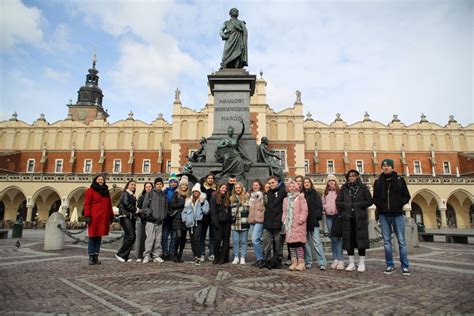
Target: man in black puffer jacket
column 272, row 223
column 390, row 194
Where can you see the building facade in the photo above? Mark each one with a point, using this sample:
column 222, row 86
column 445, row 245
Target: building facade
column 47, row 167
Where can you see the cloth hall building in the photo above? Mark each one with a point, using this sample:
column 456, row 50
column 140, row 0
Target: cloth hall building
column 47, row 167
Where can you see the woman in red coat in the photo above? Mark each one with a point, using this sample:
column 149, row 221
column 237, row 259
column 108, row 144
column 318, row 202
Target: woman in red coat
column 98, row 215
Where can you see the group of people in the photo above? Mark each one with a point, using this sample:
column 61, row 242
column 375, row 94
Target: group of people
column 275, row 212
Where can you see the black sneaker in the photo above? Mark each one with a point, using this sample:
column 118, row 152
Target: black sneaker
column 405, row 272
column 389, row 270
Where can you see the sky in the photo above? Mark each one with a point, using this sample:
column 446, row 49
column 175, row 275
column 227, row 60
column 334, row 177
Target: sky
column 384, row 57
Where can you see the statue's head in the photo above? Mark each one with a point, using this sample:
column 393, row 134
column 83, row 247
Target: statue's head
column 234, row 13
column 203, row 141
column 264, row 140
column 230, row 131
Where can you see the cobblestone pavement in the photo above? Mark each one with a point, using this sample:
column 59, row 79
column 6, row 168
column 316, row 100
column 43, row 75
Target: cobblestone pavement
column 60, row 282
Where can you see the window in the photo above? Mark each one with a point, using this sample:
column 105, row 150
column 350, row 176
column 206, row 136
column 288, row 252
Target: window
column 146, row 166
column 330, row 166
column 58, row 166
column 88, row 166
column 417, row 167
column 168, row 166
column 30, row 166
column 360, row 166
column 117, row 166
column 282, row 154
column 306, row 166
column 446, row 167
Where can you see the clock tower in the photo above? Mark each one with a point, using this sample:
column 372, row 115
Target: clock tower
column 89, row 99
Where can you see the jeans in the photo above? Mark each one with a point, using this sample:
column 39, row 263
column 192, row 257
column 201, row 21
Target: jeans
column 168, row 236
column 206, row 223
column 314, row 242
column 336, row 242
column 257, row 232
column 128, row 226
column 397, row 224
column 240, row 240
column 93, row 245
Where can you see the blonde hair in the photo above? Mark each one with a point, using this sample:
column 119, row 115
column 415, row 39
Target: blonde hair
column 241, row 196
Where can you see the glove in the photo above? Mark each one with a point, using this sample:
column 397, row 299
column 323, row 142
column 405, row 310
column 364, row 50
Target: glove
column 88, row 220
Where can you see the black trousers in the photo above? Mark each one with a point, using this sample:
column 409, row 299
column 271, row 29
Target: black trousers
column 128, row 226
column 272, row 241
column 222, row 243
column 196, row 239
column 179, row 242
column 141, row 236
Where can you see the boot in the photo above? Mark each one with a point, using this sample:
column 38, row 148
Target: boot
column 294, row 263
column 96, row 259
column 91, row 260
column 300, row 266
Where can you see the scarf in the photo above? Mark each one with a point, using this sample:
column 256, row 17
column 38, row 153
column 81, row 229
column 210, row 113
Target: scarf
column 354, row 187
column 289, row 212
column 101, row 189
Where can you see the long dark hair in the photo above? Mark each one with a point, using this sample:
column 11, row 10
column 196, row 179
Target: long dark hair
column 222, row 198
column 310, row 181
column 144, row 191
column 128, row 183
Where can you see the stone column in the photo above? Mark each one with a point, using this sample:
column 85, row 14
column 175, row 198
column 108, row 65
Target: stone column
column 407, row 209
column 29, row 212
column 371, row 212
column 444, row 222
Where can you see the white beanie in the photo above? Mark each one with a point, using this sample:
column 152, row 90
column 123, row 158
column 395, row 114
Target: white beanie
column 184, row 180
column 196, row 187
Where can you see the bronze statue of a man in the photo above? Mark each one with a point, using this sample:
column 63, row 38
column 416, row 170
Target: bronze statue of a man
column 234, row 32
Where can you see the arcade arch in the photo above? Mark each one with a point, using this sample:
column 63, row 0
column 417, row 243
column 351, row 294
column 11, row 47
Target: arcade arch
column 14, row 201
column 47, row 200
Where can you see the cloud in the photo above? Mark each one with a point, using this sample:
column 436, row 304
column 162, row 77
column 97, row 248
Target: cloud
column 55, row 75
column 19, row 24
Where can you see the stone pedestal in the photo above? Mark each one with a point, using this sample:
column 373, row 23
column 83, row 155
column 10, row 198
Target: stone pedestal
column 53, row 236
column 232, row 89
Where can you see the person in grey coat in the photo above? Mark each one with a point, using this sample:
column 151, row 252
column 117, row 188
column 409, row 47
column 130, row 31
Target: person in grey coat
column 155, row 208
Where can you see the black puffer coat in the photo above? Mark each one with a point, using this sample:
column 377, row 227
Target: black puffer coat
column 128, row 205
column 345, row 204
column 177, row 205
column 315, row 209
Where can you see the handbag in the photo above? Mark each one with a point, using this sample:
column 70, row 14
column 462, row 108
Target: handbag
column 336, row 229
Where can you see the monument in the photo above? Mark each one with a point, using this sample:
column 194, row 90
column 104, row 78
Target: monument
column 232, row 149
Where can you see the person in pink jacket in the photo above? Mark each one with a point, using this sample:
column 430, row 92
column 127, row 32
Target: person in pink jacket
column 330, row 209
column 295, row 213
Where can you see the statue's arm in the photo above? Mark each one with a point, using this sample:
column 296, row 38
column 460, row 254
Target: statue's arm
column 222, row 32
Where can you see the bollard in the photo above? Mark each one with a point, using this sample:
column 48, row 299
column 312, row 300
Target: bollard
column 53, row 236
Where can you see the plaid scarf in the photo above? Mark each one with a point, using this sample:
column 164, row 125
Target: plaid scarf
column 289, row 212
column 354, row 187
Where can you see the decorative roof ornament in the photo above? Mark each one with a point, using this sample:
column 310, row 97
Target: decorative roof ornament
column 130, row 115
column 14, row 117
column 298, row 96
column 423, row 118
column 451, row 119
column 395, row 118
column 69, row 116
column 338, row 117
column 177, row 95
column 309, row 116
column 160, row 116
column 42, row 117
column 261, row 74
column 99, row 116
column 94, row 61
column 367, row 117
column 70, row 102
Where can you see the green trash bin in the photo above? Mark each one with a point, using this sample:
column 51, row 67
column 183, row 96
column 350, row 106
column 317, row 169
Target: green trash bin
column 421, row 227
column 17, row 230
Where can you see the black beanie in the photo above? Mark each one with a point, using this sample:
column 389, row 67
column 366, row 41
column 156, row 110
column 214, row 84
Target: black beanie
column 159, row 179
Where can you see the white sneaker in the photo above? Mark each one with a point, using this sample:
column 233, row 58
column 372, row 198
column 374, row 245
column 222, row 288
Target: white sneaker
column 236, row 260
column 351, row 267
column 334, row 264
column 242, row 260
column 158, row 259
column 202, row 259
column 130, row 260
column 361, row 268
column 119, row 258
column 146, row 260
column 211, row 258
column 139, row 260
